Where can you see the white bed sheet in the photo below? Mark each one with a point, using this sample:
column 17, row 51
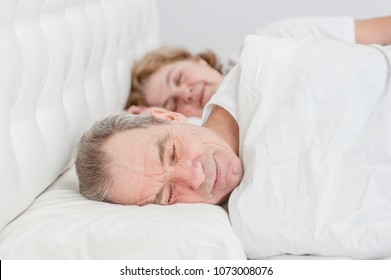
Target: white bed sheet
column 317, row 153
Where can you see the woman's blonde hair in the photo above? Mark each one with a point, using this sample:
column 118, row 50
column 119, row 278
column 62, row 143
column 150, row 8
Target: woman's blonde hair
column 152, row 61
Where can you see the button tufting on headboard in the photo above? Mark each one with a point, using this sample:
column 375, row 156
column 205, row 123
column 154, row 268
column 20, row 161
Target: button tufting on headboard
column 63, row 65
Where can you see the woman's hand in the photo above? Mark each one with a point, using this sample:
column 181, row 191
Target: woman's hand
column 374, row 31
column 144, row 110
column 137, row 109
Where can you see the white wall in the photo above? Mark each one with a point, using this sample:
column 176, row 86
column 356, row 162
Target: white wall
column 221, row 25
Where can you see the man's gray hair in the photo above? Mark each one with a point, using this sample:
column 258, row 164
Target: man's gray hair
column 93, row 163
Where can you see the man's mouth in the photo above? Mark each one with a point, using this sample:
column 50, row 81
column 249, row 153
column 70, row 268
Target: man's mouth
column 218, row 175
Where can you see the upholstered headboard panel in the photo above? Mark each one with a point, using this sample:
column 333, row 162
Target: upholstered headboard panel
column 63, row 65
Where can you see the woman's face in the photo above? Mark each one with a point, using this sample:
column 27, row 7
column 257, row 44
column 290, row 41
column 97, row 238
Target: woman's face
column 183, row 86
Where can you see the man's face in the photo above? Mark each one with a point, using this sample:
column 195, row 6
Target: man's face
column 174, row 163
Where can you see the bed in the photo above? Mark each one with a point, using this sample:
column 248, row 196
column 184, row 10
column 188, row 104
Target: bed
column 64, row 65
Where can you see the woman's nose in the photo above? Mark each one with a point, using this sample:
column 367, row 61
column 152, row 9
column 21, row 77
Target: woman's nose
column 186, row 94
column 190, row 174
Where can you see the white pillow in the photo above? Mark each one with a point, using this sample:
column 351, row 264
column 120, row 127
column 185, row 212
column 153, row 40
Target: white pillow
column 61, row 224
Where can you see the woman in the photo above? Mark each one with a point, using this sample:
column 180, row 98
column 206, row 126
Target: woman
column 179, row 81
column 175, row 79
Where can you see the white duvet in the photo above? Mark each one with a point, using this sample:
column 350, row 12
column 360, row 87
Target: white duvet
column 315, row 132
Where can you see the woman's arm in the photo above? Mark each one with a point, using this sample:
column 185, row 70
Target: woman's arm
column 374, row 31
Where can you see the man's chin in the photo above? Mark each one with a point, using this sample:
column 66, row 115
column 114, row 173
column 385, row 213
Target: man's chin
column 224, row 199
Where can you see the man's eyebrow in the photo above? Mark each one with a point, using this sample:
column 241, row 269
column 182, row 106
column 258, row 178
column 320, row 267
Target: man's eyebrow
column 161, row 145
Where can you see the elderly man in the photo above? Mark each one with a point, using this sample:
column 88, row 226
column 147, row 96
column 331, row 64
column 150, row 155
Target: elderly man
column 140, row 160
column 299, row 133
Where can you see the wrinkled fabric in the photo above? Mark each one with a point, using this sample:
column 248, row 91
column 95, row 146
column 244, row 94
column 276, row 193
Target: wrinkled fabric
column 315, row 142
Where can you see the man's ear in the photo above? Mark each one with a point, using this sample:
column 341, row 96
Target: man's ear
column 162, row 113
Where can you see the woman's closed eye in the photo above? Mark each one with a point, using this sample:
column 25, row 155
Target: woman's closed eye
column 178, row 79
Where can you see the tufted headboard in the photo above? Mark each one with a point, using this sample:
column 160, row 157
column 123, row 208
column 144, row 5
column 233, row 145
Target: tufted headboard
column 63, row 65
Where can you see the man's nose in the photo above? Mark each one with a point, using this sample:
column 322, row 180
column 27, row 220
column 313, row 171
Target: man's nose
column 190, row 174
